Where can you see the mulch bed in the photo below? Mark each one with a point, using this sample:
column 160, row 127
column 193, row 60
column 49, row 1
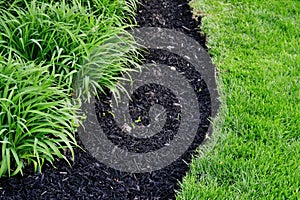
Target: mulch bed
column 90, row 179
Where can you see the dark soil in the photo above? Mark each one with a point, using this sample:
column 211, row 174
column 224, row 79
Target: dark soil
column 90, row 179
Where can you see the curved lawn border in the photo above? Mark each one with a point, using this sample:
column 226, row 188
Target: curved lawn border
column 90, row 179
column 256, row 48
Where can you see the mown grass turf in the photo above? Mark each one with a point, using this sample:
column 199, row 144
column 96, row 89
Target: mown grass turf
column 256, row 47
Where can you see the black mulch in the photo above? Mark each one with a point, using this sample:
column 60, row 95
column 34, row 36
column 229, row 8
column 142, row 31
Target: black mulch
column 89, row 179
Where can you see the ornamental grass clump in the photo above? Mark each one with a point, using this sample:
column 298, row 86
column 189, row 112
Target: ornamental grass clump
column 44, row 47
column 65, row 35
column 37, row 118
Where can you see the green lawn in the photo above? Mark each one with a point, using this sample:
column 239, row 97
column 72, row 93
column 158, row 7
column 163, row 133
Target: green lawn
column 256, row 148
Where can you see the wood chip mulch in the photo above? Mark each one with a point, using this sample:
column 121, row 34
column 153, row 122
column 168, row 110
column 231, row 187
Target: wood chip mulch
column 90, row 179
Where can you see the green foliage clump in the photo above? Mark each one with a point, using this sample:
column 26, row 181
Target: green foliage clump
column 44, row 47
column 37, row 118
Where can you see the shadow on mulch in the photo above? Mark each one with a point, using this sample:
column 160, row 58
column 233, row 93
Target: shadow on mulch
column 89, row 179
